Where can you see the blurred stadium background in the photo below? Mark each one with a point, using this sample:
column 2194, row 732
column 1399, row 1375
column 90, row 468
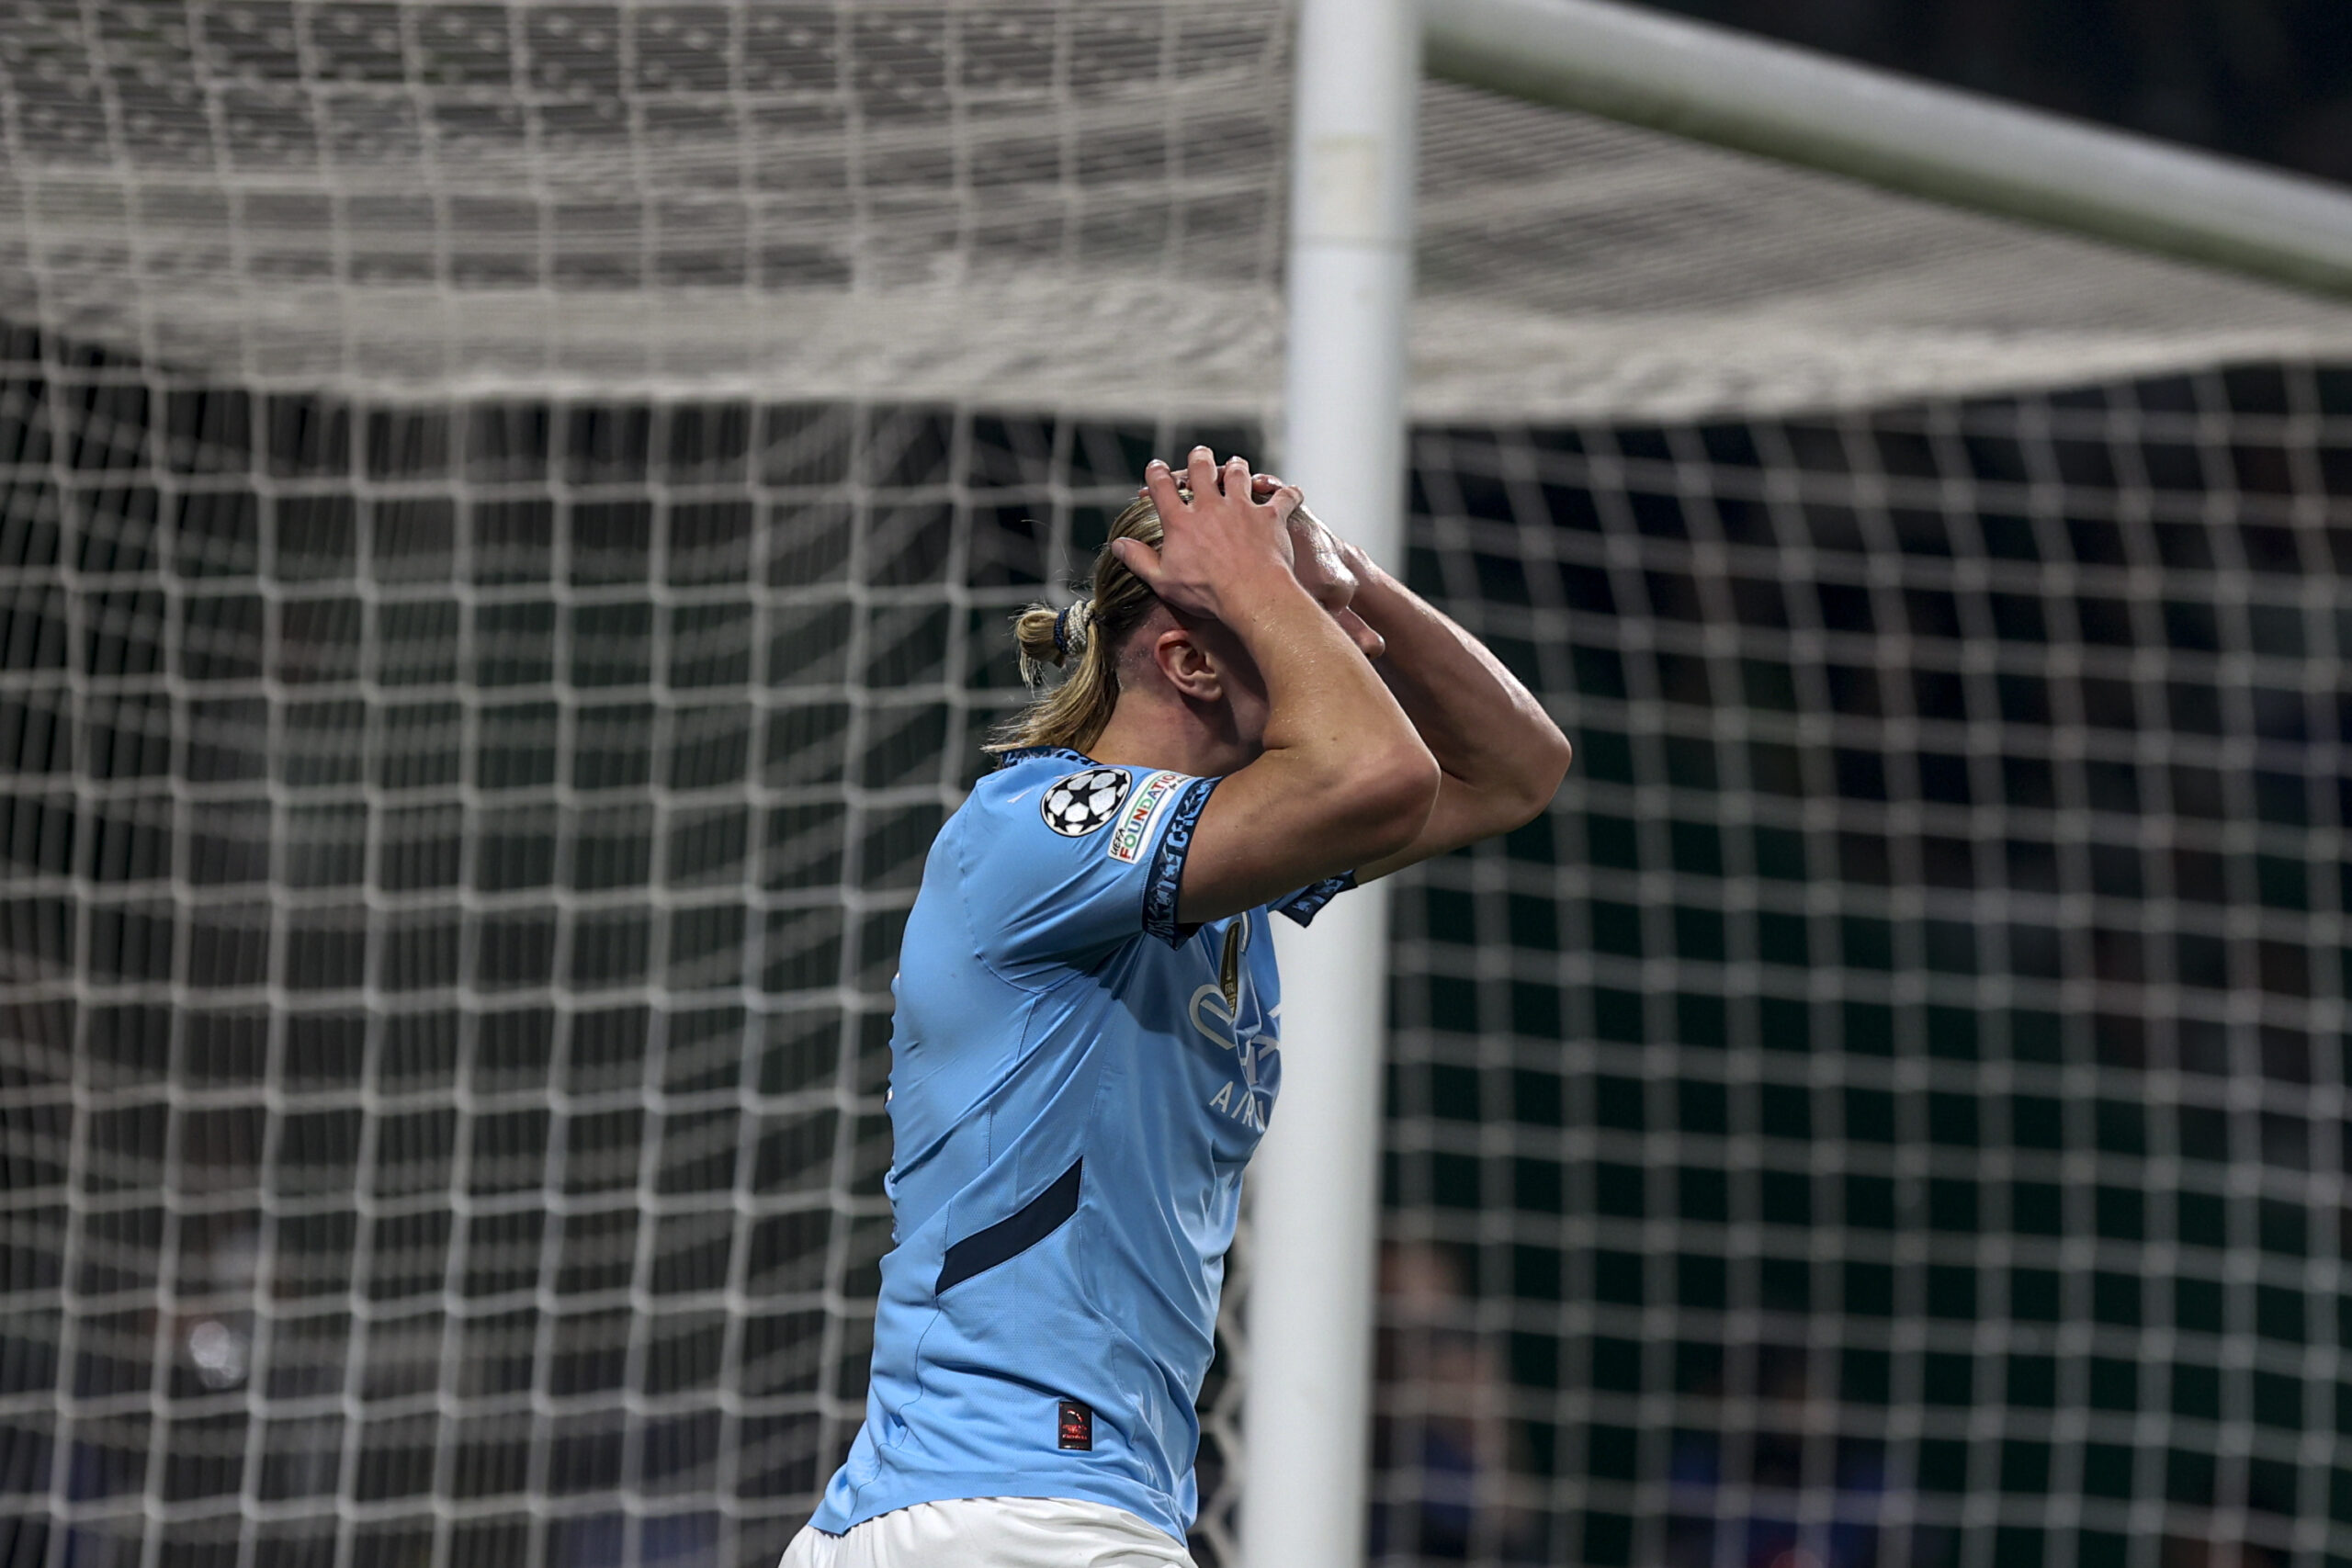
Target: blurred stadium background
column 510, row 511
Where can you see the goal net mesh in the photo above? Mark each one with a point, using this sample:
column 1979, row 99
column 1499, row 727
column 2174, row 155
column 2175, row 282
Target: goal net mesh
column 510, row 512
column 1946, row 1163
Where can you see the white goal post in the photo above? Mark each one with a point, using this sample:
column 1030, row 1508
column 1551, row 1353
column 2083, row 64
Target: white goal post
column 1315, row 1208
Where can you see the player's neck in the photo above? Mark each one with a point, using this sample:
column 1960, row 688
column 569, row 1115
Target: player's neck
column 1171, row 734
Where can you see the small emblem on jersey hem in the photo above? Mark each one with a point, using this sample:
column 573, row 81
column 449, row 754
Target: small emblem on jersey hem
column 1074, row 1428
column 1079, row 803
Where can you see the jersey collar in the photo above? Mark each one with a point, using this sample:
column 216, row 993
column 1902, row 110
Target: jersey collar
column 1029, row 754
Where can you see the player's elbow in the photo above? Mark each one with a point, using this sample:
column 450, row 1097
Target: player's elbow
column 1389, row 799
column 1505, row 798
column 1540, row 775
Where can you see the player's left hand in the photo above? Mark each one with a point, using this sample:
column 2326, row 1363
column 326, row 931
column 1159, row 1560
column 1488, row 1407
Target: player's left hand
column 1328, row 567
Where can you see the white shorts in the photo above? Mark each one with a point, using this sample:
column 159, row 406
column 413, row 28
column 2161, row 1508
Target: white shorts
column 993, row 1532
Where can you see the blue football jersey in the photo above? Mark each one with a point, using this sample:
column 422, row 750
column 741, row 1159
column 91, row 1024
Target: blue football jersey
column 1076, row 1083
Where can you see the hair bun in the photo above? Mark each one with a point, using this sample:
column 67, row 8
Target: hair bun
column 1082, row 640
column 1071, row 625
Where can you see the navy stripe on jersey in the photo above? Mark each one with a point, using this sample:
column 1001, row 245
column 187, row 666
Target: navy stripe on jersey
column 1167, row 877
column 1007, row 1239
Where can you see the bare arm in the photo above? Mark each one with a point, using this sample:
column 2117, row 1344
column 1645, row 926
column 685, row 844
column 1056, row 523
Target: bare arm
column 1342, row 779
column 1501, row 756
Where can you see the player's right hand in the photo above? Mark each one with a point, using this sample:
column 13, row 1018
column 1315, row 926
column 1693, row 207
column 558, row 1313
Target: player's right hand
column 1216, row 543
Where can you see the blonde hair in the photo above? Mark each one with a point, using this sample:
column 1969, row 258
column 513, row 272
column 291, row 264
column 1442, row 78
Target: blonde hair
column 1084, row 640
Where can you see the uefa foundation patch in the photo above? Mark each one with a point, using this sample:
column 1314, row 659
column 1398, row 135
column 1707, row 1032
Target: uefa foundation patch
column 1128, row 840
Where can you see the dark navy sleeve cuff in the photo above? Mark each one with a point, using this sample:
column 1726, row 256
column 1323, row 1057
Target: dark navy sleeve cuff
column 1308, row 902
column 1167, row 875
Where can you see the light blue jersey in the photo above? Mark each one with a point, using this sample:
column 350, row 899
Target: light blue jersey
column 1076, row 1084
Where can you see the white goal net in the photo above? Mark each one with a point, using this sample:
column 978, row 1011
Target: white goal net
column 509, row 516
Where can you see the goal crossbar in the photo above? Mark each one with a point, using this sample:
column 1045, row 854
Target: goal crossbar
column 1716, row 85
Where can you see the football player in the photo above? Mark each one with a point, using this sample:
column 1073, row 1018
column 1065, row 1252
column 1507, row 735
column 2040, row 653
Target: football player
column 1254, row 718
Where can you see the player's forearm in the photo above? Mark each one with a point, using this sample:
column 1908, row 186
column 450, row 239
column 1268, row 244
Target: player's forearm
column 1485, row 730
column 1329, row 716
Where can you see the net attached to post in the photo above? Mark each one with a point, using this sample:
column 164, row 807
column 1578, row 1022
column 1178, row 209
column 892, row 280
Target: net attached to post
column 511, row 513
column 1891, row 1111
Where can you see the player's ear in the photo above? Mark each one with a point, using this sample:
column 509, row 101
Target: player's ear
column 1187, row 666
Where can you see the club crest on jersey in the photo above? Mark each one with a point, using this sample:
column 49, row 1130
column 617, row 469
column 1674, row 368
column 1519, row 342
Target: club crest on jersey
column 1134, row 823
column 1078, row 804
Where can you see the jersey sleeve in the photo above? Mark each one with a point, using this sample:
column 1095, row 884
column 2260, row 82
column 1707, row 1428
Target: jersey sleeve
column 1062, row 873
column 1308, row 902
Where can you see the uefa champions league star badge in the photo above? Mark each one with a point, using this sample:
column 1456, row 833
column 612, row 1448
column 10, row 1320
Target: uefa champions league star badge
column 1075, row 805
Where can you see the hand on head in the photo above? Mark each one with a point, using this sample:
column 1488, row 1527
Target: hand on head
column 1328, row 567
column 1214, row 540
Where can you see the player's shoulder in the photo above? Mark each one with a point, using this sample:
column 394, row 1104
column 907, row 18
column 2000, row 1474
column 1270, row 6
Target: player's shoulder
column 1046, row 796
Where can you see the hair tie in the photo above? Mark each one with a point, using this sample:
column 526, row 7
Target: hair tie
column 1069, row 626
